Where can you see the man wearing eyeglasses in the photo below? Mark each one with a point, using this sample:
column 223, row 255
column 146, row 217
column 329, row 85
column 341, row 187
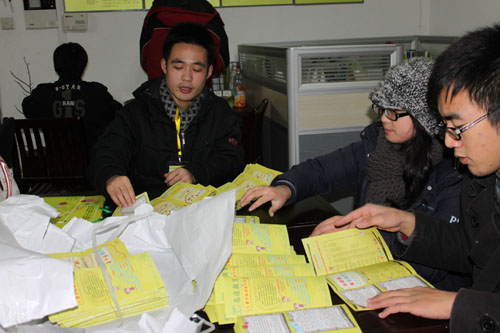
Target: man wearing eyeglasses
column 465, row 88
column 399, row 162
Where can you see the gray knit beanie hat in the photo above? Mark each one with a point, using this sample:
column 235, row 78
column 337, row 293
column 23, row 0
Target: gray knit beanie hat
column 405, row 88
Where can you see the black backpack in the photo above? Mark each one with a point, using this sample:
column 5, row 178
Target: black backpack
column 163, row 15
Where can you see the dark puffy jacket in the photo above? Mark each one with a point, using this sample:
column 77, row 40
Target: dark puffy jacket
column 90, row 101
column 141, row 143
column 324, row 174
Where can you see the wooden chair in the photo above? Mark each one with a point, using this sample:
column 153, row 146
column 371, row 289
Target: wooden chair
column 7, row 129
column 50, row 157
column 251, row 128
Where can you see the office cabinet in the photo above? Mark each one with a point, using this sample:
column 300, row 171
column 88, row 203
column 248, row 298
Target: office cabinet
column 318, row 90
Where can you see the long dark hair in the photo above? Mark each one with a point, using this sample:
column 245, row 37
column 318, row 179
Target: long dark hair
column 417, row 164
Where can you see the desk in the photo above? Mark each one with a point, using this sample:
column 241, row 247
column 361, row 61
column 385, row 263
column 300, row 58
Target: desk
column 301, row 218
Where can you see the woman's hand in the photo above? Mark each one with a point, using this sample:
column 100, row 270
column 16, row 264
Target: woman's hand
column 328, row 226
column 382, row 217
column 278, row 195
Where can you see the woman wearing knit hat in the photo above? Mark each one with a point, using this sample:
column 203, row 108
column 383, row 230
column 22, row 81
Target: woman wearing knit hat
column 399, row 162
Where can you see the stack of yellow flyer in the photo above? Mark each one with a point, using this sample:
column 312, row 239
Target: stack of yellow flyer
column 253, row 175
column 264, row 275
column 110, row 252
column 85, row 207
column 135, row 280
column 251, row 261
column 359, row 265
column 180, row 195
column 261, row 239
column 335, row 318
column 261, row 172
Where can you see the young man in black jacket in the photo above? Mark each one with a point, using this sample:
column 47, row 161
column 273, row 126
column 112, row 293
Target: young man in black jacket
column 175, row 130
column 465, row 88
column 71, row 97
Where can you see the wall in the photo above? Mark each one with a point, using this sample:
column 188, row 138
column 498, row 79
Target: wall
column 112, row 40
column 456, row 17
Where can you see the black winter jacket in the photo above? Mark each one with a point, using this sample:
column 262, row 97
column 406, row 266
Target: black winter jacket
column 90, row 101
column 467, row 246
column 471, row 246
column 347, row 165
column 141, row 143
column 475, row 311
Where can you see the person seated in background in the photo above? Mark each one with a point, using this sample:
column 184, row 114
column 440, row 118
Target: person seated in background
column 175, row 129
column 71, row 97
column 465, row 89
column 399, row 162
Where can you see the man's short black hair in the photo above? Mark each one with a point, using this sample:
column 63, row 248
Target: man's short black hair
column 472, row 64
column 190, row 33
column 70, row 60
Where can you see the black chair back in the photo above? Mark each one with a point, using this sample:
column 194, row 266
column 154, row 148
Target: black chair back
column 252, row 133
column 50, row 156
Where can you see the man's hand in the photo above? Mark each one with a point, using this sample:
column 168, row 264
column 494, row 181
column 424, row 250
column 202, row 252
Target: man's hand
column 419, row 301
column 178, row 175
column 121, row 191
column 328, row 226
column 278, row 195
column 382, row 217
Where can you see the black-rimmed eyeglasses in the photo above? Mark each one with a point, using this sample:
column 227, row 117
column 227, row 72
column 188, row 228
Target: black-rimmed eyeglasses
column 389, row 114
column 456, row 132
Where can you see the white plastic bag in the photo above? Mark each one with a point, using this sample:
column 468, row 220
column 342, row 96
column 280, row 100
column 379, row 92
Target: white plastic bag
column 8, row 186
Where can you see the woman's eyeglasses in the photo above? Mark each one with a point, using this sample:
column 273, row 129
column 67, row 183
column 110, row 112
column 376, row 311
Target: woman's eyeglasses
column 389, row 114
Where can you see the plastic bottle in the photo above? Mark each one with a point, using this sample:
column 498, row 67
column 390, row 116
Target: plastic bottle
column 239, row 90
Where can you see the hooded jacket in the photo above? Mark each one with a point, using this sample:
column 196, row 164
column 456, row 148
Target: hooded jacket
column 141, row 143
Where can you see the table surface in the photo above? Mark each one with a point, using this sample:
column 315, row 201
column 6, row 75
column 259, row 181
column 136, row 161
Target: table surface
column 301, row 218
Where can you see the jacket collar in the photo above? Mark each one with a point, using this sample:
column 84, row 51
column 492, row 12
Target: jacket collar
column 479, row 184
column 149, row 93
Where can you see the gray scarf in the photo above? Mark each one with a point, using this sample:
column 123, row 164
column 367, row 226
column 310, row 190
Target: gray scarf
column 385, row 171
column 170, row 106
